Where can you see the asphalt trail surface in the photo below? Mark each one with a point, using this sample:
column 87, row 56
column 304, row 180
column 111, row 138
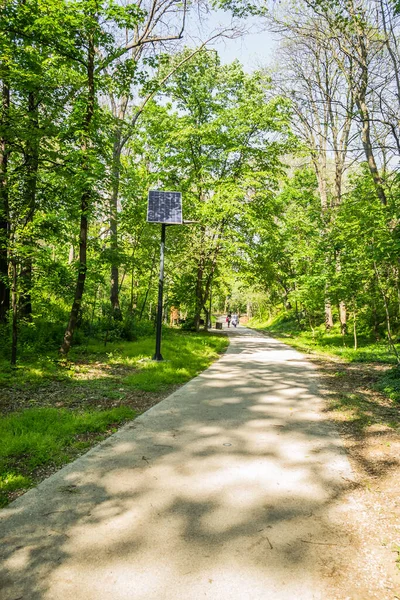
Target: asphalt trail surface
column 232, row 488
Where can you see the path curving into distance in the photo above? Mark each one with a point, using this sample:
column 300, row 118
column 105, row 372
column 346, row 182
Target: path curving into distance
column 232, row 488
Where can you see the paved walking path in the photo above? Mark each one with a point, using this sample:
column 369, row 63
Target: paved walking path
column 230, row 489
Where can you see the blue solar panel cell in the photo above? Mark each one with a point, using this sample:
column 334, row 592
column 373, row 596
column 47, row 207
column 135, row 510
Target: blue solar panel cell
column 164, row 207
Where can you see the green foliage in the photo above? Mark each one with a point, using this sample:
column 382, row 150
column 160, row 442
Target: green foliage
column 220, row 143
column 389, row 384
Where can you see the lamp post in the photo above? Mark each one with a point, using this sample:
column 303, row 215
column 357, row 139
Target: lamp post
column 164, row 208
column 158, row 356
column 209, row 313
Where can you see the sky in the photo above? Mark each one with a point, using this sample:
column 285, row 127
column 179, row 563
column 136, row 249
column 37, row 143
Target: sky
column 254, row 49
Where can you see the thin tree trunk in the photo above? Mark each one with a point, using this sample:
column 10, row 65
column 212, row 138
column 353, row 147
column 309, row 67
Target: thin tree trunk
column 148, row 289
column 132, row 286
column 328, row 316
column 85, row 204
column 355, row 330
column 296, row 308
column 376, row 323
column 206, row 320
column 343, row 317
column 4, row 212
column 26, row 278
column 116, row 166
column 361, row 102
column 387, row 313
column 369, row 154
column 249, row 310
column 199, row 295
column 14, row 304
column 32, row 166
column 199, row 283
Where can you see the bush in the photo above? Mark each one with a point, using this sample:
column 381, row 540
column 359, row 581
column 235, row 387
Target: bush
column 128, row 329
column 389, row 384
column 188, row 325
column 34, row 337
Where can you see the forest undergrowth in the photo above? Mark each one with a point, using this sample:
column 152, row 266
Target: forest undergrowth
column 53, row 411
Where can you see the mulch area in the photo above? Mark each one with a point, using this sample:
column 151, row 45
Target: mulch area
column 58, row 395
column 75, row 393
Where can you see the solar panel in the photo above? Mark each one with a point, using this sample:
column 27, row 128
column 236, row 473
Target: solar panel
column 164, row 207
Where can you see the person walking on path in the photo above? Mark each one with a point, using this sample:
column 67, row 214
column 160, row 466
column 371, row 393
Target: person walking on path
column 235, row 320
column 228, row 319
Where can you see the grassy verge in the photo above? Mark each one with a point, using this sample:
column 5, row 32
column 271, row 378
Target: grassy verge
column 332, row 344
column 363, row 385
column 50, row 412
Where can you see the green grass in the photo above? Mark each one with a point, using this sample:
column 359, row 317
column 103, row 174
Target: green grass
column 185, row 354
column 68, row 407
column 47, row 436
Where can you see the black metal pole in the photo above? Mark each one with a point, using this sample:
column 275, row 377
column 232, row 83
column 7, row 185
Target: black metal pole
column 158, row 355
column 209, row 314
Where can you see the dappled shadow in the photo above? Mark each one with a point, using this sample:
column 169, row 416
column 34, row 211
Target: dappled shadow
column 368, row 419
column 233, row 483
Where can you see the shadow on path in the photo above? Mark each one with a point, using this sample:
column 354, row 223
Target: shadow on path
column 230, row 488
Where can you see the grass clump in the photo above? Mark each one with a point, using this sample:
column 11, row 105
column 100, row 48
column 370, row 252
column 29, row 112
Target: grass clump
column 185, row 355
column 38, row 437
column 389, row 384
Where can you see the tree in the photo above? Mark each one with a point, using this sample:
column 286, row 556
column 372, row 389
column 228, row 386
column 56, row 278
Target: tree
column 219, row 152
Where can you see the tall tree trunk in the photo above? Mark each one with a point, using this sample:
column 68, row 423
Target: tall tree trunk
column 199, row 294
column 153, row 264
column 207, row 318
column 249, row 310
column 342, row 305
column 199, row 278
column 387, row 313
column 322, row 188
column 4, row 211
column 203, row 284
column 343, row 317
column 116, row 166
column 133, row 283
column 14, row 303
column 369, row 153
column 32, row 165
column 85, row 205
column 355, row 330
column 25, row 299
column 328, row 316
column 361, row 102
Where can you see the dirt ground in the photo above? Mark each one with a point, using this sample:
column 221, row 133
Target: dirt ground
column 369, row 424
